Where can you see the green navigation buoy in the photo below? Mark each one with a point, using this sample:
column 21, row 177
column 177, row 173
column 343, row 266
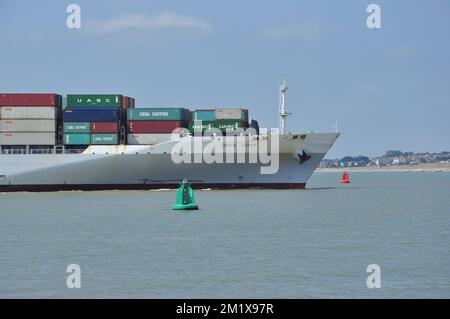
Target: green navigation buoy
column 185, row 197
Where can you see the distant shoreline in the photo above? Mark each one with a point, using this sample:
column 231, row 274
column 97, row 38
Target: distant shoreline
column 431, row 167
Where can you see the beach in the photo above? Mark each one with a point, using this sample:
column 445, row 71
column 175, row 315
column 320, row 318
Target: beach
column 428, row 167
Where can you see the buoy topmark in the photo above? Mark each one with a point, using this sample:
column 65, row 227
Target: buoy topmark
column 345, row 178
column 185, row 197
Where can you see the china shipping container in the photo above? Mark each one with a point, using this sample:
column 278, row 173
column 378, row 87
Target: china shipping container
column 29, row 112
column 148, row 139
column 153, row 126
column 104, row 139
column 77, row 139
column 77, row 127
column 28, row 126
column 104, row 127
column 160, row 113
column 28, row 138
column 28, row 99
column 92, row 114
column 203, row 115
column 98, row 100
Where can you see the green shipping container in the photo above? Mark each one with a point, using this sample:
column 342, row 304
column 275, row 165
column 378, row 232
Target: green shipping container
column 104, row 139
column 77, row 139
column 77, row 127
column 157, row 113
column 74, row 100
column 203, row 115
column 223, row 125
column 229, row 125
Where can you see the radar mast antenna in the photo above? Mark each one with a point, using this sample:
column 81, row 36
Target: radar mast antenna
column 282, row 109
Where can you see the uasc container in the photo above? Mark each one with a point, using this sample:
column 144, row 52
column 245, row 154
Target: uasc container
column 230, row 125
column 92, row 114
column 104, row 139
column 28, row 126
column 166, row 114
column 222, row 125
column 200, row 126
column 77, row 139
column 27, row 138
column 29, row 112
column 77, row 127
column 99, row 100
column 30, row 99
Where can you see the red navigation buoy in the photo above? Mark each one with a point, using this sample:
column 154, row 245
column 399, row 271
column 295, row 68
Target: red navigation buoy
column 345, row 178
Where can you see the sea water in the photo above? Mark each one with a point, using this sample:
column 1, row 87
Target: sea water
column 311, row 243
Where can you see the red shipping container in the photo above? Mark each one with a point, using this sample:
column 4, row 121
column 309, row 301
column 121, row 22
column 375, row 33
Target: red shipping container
column 27, row 99
column 153, row 126
column 104, row 127
column 125, row 102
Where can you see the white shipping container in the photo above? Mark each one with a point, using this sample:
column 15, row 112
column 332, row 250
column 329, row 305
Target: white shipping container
column 21, row 138
column 28, row 112
column 148, row 139
column 228, row 114
column 27, row 126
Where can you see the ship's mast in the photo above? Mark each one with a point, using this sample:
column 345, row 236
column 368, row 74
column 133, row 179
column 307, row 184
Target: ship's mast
column 283, row 112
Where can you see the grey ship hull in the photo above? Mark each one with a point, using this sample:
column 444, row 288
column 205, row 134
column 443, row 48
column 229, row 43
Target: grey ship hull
column 151, row 167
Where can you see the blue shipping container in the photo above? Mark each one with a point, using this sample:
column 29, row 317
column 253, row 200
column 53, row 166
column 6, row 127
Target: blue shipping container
column 92, row 114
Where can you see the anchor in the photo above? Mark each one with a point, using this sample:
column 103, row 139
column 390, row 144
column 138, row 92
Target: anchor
column 303, row 157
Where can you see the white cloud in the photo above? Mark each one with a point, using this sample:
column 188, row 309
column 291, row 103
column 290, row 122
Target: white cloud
column 306, row 30
column 141, row 21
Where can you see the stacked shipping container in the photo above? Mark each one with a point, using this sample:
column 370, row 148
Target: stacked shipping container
column 227, row 120
column 154, row 125
column 95, row 119
column 29, row 119
column 32, row 119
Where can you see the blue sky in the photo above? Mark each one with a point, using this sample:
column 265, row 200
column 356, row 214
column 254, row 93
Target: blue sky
column 387, row 88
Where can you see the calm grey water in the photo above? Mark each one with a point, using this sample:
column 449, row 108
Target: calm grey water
column 242, row 244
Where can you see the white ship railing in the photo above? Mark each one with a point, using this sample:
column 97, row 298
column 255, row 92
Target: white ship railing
column 56, row 150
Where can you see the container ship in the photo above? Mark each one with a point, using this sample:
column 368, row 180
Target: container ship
column 104, row 142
